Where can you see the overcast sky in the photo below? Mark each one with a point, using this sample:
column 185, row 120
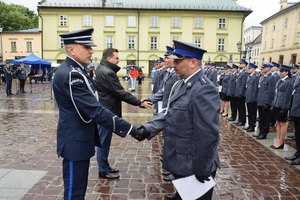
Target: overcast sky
column 262, row 9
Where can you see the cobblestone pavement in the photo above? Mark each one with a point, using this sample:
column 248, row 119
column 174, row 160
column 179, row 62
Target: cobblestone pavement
column 249, row 169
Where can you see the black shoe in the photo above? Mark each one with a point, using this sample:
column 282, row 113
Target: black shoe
column 169, row 177
column 11, row 93
column 280, row 147
column 166, row 173
column 172, row 196
column 240, row 124
column 261, row 137
column 251, row 129
column 291, row 157
column 230, row 119
column 109, row 175
column 296, row 161
column 112, row 170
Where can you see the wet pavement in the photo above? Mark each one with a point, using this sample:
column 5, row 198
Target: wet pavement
column 250, row 169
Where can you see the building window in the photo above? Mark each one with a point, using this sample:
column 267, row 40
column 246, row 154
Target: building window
column 63, row 20
column 221, row 44
column 87, row 20
column 286, row 22
column 298, row 38
column 109, row 21
column 153, row 21
column 62, row 46
column 272, row 44
column 284, row 41
column 175, row 22
column 198, row 22
column 109, row 42
column 131, row 21
column 197, row 41
column 222, row 23
column 13, row 46
column 131, row 42
column 153, row 43
column 29, row 46
column 274, row 26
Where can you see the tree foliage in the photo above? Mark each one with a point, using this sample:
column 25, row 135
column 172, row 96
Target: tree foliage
column 16, row 17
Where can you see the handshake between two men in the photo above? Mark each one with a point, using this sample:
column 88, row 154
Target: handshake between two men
column 139, row 132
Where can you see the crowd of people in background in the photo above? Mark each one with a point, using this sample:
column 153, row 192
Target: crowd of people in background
column 269, row 96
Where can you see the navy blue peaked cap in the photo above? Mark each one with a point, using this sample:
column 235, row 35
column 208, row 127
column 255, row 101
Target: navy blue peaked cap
column 275, row 64
column 83, row 37
column 235, row 66
column 285, row 68
column 251, row 65
column 169, row 50
column 243, row 62
column 186, row 50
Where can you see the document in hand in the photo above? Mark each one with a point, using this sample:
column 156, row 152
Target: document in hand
column 190, row 188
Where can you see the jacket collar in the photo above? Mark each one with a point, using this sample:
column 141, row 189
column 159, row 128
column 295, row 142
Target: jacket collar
column 114, row 67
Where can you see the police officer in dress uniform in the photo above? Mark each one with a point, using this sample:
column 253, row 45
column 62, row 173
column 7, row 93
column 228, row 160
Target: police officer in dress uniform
column 79, row 112
column 8, row 73
column 281, row 105
column 230, row 93
column 213, row 74
column 239, row 93
column 225, row 87
column 191, row 134
column 21, row 74
column 251, row 96
column 295, row 113
column 275, row 74
column 171, row 77
column 265, row 96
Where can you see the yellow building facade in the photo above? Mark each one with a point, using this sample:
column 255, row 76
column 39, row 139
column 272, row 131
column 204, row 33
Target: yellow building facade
column 281, row 36
column 141, row 34
column 19, row 44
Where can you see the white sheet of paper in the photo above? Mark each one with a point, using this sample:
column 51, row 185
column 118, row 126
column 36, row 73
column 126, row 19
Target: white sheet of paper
column 220, row 88
column 159, row 105
column 190, row 188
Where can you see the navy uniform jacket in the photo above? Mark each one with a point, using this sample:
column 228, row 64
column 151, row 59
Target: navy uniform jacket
column 266, row 90
column 225, row 83
column 283, row 94
column 276, row 76
column 76, row 138
column 241, row 80
column 8, row 73
column 252, row 88
column 213, row 76
column 191, row 128
column 295, row 110
column 232, row 85
column 163, row 93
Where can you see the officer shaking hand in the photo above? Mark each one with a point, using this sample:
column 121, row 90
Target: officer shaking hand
column 80, row 112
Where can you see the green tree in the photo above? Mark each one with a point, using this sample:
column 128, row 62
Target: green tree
column 15, row 17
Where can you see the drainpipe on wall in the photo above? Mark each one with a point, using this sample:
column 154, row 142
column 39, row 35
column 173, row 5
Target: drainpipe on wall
column 242, row 31
column 138, row 39
column 42, row 25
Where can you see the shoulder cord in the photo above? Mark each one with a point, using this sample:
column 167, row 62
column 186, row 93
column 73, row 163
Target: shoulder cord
column 71, row 93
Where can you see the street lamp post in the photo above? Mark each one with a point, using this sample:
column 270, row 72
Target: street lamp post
column 239, row 46
column 248, row 48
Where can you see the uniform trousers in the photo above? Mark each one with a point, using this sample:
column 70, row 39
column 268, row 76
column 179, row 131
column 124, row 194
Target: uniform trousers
column 233, row 107
column 22, row 84
column 241, row 107
column 264, row 119
column 75, row 175
column 8, row 86
column 209, row 193
column 252, row 113
column 102, row 152
column 297, row 135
